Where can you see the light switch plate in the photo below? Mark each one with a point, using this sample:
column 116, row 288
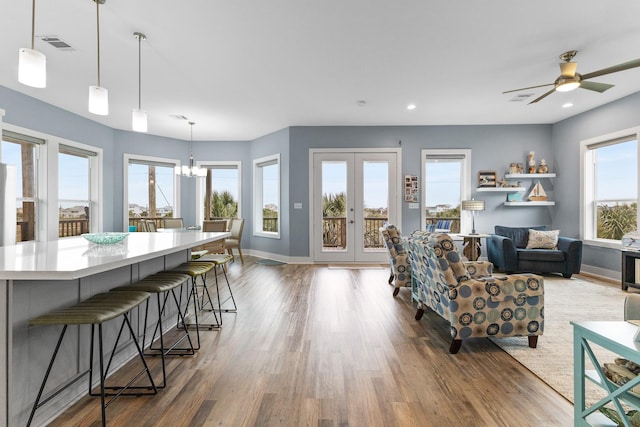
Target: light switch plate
column 297, row 205
column 414, row 205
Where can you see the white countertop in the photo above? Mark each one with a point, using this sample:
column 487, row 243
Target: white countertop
column 75, row 257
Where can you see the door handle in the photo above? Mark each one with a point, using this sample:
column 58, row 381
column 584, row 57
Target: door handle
column 351, row 222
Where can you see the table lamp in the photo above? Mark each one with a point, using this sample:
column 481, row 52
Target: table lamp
column 473, row 206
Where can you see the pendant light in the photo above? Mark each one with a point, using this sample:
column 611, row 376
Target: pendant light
column 139, row 116
column 192, row 170
column 32, row 64
column 98, row 96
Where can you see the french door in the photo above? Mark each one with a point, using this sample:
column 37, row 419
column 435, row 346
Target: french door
column 353, row 194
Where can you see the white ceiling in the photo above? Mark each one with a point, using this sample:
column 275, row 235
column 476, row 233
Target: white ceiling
column 242, row 69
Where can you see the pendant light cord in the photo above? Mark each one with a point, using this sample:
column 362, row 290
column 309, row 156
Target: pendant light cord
column 33, row 25
column 98, row 33
column 139, row 71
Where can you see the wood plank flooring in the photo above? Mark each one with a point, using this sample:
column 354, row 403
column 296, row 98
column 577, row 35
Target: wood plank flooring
column 313, row 346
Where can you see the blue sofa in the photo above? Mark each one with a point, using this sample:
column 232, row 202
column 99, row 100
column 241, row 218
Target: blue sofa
column 507, row 250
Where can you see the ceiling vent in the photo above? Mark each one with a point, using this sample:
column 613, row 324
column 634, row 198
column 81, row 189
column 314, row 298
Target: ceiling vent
column 521, row 97
column 57, row 42
column 178, row 116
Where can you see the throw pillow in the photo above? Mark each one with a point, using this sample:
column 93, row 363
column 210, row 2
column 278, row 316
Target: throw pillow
column 543, row 239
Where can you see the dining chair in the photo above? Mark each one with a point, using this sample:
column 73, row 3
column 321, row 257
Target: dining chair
column 236, row 227
column 173, row 223
column 216, row 247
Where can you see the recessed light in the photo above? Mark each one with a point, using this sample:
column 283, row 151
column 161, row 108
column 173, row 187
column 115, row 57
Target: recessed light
column 411, row 107
column 567, row 105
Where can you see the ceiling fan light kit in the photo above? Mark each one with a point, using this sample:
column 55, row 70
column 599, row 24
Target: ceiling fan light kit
column 569, row 79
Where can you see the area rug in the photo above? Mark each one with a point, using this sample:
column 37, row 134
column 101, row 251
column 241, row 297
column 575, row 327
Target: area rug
column 265, row 261
column 565, row 300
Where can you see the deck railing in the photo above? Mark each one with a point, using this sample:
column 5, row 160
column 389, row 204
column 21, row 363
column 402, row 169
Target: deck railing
column 455, row 223
column 334, row 232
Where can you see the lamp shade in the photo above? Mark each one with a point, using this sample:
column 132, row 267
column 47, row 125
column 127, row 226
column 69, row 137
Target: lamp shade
column 472, row 205
column 139, row 120
column 32, row 68
column 98, row 100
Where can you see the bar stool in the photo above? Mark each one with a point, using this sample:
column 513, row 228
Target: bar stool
column 162, row 285
column 221, row 260
column 95, row 311
column 197, row 269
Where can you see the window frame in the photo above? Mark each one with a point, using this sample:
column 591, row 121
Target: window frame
column 465, row 182
column 161, row 161
column 588, row 218
column 258, row 192
column 201, row 184
column 47, row 181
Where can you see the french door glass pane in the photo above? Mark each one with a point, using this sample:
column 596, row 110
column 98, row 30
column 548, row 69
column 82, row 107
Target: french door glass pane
column 375, row 193
column 334, row 206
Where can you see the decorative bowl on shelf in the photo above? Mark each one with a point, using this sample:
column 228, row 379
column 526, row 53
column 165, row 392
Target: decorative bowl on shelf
column 108, row 238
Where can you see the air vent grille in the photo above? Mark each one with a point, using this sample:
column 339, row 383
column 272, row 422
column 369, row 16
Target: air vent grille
column 521, row 97
column 57, row 42
column 178, row 116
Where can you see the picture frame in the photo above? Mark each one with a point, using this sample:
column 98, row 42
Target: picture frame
column 411, row 189
column 487, row 179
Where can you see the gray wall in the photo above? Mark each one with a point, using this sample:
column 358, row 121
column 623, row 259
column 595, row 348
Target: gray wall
column 566, row 137
column 274, row 143
column 493, row 148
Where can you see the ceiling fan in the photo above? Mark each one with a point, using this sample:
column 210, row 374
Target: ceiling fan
column 570, row 80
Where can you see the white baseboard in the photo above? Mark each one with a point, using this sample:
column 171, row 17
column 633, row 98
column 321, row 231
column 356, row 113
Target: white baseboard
column 278, row 257
column 601, row 272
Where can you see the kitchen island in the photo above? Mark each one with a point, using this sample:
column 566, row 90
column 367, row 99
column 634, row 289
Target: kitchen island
column 38, row 277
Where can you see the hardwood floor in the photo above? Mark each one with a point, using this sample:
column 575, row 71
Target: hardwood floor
column 314, row 346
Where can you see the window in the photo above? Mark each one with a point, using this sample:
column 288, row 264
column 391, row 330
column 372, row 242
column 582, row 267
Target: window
column 152, row 189
column 22, row 151
column 221, row 193
column 74, row 190
column 610, row 191
column 266, row 187
column 446, row 177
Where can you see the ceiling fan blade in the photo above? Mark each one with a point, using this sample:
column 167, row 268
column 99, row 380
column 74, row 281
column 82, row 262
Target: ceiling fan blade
column 526, row 88
column 614, row 69
column 543, row 96
column 595, row 86
column 568, row 69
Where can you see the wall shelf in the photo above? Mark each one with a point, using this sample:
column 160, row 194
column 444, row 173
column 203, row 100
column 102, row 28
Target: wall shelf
column 529, row 175
column 542, row 203
column 501, row 189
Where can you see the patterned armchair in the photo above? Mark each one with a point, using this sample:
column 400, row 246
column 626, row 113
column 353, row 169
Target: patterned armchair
column 400, row 267
column 475, row 303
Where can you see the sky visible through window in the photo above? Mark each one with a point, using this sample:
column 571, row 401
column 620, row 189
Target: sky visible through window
column 616, row 172
column 375, row 175
column 443, row 182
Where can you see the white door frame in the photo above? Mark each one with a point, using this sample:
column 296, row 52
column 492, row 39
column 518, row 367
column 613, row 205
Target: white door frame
column 397, row 199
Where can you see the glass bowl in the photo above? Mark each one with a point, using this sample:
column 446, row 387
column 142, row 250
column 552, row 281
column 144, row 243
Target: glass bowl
column 105, row 238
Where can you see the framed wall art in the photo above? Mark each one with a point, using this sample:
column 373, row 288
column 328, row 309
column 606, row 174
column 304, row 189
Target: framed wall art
column 487, row 179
